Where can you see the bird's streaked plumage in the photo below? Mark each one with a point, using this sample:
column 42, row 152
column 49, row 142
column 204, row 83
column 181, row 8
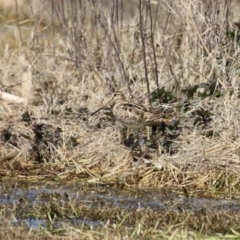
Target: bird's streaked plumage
column 137, row 116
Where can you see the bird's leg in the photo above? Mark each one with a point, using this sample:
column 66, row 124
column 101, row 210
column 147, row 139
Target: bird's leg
column 148, row 132
column 136, row 137
column 136, row 134
column 138, row 143
column 128, row 133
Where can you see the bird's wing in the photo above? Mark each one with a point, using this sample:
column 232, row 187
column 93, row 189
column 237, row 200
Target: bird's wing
column 137, row 113
column 160, row 114
column 132, row 112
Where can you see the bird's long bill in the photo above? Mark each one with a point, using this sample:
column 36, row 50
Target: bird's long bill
column 101, row 108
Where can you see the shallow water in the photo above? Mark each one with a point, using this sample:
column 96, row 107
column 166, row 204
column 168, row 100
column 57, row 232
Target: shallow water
column 102, row 195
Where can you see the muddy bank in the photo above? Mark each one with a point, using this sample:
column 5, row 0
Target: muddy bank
column 54, row 206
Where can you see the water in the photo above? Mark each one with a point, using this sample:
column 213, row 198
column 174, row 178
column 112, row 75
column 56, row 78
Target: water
column 103, row 196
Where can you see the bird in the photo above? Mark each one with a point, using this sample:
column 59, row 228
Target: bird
column 137, row 116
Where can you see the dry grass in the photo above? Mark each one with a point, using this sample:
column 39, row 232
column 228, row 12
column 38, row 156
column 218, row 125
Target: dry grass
column 73, row 71
column 9, row 232
column 64, row 96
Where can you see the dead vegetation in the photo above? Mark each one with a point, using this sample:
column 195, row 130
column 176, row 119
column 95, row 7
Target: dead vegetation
column 178, row 53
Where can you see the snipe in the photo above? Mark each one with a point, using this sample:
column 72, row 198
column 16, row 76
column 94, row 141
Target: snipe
column 137, row 116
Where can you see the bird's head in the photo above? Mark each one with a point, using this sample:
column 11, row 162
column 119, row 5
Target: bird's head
column 117, row 96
